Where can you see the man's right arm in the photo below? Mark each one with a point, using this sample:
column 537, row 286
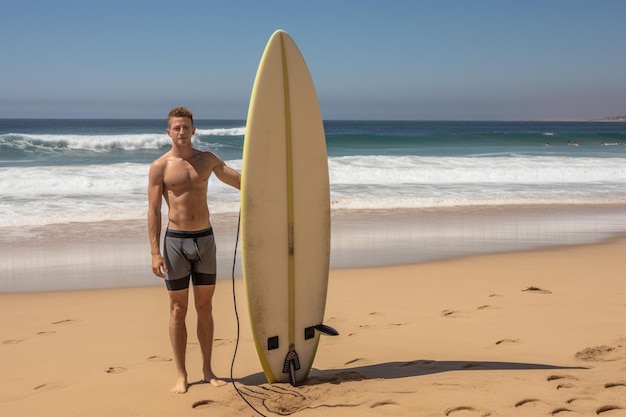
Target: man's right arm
column 155, row 196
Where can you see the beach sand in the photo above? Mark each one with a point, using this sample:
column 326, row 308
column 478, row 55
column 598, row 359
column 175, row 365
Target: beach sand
column 525, row 333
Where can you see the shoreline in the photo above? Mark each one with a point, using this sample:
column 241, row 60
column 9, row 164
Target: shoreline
column 116, row 254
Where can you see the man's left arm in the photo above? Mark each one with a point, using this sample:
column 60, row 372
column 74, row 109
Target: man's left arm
column 228, row 175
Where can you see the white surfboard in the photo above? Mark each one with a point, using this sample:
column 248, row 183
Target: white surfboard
column 285, row 213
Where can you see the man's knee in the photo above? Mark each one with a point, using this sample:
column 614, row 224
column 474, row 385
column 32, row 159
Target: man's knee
column 204, row 307
column 178, row 311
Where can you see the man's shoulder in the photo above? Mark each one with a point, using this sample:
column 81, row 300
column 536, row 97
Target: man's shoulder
column 206, row 154
column 160, row 163
column 209, row 157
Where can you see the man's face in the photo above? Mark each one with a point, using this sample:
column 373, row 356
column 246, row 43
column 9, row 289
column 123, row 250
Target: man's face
column 181, row 130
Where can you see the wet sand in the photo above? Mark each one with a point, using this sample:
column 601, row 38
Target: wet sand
column 116, row 254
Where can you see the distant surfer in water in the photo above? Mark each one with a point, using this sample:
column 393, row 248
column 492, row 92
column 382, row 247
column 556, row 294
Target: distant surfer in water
column 181, row 177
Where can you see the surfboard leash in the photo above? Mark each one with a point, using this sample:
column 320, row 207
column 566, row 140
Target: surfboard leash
column 232, row 364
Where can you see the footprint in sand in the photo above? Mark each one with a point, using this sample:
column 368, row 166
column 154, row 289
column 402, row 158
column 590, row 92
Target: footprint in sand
column 565, row 381
column 615, row 384
column 12, row 341
column 47, row 387
column 535, row 406
column 537, row 290
column 159, row 359
column 507, row 341
column 607, row 408
column 66, row 321
column 579, row 399
column 201, row 403
column 527, row 401
column 453, row 314
column 558, row 377
column 115, row 370
column 464, row 410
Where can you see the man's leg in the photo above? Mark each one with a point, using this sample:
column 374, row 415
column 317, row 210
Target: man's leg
column 203, row 297
column 178, row 335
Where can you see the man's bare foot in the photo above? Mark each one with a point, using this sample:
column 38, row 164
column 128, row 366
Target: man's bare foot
column 216, row 382
column 180, row 387
column 210, row 378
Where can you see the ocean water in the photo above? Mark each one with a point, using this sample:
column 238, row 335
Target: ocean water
column 62, row 171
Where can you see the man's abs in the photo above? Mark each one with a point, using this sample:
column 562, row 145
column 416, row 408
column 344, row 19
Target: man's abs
column 188, row 212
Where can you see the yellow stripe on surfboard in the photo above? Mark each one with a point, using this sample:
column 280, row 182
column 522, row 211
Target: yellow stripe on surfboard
column 290, row 218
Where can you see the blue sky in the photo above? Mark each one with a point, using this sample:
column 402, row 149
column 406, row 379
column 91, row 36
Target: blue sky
column 395, row 59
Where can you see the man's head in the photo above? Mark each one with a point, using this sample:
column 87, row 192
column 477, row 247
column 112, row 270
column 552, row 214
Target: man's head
column 180, row 125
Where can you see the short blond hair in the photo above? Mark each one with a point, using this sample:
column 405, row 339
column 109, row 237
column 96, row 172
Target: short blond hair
column 180, row 112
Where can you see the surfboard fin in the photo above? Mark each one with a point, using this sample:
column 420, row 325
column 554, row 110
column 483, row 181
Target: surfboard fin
column 327, row 330
column 292, row 364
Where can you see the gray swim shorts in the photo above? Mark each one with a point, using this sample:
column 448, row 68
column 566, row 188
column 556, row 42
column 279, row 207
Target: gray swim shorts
column 189, row 255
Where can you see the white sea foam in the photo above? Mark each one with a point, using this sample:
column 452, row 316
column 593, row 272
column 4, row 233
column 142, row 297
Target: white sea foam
column 95, row 143
column 234, row 131
column 456, row 170
column 40, row 195
column 66, row 181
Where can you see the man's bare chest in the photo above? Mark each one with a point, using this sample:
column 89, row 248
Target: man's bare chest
column 185, row 175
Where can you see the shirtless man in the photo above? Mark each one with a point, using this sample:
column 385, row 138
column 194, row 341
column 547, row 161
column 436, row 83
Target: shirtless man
column 181, row 177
